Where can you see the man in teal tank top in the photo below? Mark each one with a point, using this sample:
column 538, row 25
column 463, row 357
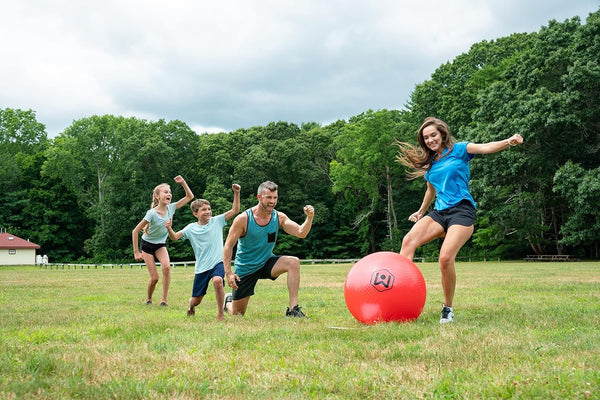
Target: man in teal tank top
column 255, row 232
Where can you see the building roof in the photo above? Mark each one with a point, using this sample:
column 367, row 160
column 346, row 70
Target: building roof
column 8, row 241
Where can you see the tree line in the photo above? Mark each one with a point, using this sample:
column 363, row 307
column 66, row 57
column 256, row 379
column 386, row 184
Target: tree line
column 80, row 194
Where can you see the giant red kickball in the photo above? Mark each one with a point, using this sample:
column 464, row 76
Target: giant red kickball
column 384, row 287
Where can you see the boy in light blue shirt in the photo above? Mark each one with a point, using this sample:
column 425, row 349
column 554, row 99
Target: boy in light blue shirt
column 206, row 238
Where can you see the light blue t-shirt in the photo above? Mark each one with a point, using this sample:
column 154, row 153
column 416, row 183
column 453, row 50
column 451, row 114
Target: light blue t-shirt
column 256, row 246
column 157, row 232
column 207, row 242
column 450, row 177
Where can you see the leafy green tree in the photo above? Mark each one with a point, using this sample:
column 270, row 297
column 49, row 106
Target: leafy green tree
column 539, row 98
column 34, row 207
column 51, row 215
column 85, row 156
column 581, row 191
column 113, row 163
column 21, row 136
column 364, row 171
column 452, row 93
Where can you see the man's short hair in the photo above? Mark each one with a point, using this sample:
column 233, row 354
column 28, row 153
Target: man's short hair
column 267, row 185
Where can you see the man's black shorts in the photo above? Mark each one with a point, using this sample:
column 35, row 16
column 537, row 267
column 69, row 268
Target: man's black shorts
column 247, row 283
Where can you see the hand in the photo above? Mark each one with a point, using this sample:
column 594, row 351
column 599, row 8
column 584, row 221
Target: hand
column 309, row 211
column 179, row 179
column 515, row 140
column 414, row 217
column 232, row 279
column 168, row 223
column 236, row 188
column 138, row 256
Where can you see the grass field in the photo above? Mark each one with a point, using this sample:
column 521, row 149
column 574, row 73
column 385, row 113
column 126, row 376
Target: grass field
column 522, row 331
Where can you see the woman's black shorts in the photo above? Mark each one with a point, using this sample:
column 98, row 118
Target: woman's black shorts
column 461, row 214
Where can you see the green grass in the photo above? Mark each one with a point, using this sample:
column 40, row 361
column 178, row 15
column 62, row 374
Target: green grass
column 523, row 330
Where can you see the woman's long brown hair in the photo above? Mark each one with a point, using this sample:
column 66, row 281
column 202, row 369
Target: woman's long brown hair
column 419, row 159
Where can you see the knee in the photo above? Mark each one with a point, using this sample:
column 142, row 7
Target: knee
column 166, row 268
column 237, row 310
column 218, row 282
column 408, row 242
column 293, row 264
column 446, row 261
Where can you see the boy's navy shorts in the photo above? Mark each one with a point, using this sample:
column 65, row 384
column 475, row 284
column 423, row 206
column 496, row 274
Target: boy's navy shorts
column 201, row 280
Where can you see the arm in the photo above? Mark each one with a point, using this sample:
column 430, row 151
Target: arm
column 494, row 147
column 135, row 237
column 237, row 230
column 292, row 228
column 235, row 206
column 172, row 234
column 188, row 192
column 427, row 199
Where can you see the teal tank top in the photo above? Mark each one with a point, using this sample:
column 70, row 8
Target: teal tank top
column 256, row 246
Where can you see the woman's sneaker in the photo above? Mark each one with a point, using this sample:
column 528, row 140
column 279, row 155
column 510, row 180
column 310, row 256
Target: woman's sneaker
column 447, row 315
column 295, row 312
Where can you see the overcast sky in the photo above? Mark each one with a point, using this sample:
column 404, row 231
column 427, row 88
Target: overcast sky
column 223, row 65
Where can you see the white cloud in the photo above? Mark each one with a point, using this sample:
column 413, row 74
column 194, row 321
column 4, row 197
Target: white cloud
column 199, row 129
column 227, row 65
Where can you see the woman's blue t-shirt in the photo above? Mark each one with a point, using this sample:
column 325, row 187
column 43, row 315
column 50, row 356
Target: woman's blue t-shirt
column 450, row 177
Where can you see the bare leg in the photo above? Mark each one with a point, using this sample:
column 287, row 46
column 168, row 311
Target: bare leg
column 163, row 257
column 291, row 265
column 424, row 231
column 194, row 301
column 238, row 307
column 456, row 237
column 219, row 294
column 151, row 265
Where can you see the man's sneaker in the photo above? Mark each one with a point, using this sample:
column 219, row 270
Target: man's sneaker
column 295, row 312
column 447, row 315
column 228, row 299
